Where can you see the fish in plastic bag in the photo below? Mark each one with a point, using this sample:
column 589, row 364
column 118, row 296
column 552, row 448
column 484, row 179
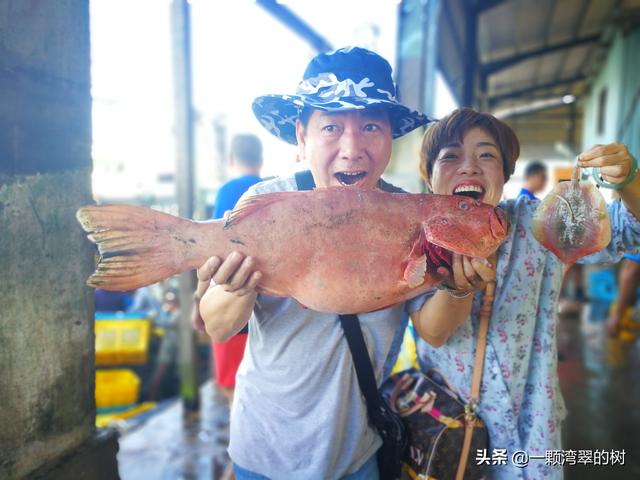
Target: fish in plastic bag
column 572, row 221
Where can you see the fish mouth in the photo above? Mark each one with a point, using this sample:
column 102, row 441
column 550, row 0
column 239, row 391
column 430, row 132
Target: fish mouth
column 470, row 189
column 351, row 178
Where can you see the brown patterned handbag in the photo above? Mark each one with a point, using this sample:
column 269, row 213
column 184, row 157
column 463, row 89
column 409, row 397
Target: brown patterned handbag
column 441, row 427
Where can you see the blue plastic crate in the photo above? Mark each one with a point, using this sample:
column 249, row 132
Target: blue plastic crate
column 602, row 286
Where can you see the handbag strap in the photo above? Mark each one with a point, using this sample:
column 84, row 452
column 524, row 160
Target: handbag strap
column 470, row 415
column 483, row 328
column 362, row 363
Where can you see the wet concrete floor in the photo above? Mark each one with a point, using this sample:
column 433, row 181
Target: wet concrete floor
column 172, row 446
column 600, row 380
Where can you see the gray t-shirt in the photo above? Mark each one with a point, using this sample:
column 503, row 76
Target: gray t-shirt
column 298, row 412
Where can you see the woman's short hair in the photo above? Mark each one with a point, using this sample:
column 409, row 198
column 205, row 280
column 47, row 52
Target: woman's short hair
column 454, row 126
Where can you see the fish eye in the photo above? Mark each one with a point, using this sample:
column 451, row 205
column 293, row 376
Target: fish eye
column 463, row 205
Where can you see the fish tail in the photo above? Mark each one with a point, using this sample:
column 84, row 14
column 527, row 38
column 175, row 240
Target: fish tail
column 138, row 246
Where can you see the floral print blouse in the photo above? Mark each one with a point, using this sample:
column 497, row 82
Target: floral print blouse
column 520, row 399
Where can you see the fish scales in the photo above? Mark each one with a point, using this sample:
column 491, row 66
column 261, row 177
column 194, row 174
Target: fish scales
column 339, row 249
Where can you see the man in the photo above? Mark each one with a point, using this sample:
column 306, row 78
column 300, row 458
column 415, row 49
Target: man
column 628, row 281
column 245, row 161
column 535, row 179
column 298, row 412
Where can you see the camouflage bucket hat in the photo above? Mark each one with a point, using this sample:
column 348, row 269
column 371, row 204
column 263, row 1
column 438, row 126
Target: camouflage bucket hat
column 350, row 78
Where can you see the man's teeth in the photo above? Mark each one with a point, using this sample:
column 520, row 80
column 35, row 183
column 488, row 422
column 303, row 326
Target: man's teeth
column 468, row 188
column 350, row 178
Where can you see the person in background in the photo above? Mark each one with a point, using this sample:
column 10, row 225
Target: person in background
column 169, row 318
column 145, row 303
column 245, row 161
column 535, row 179
column 107, row 301
column 628, row 282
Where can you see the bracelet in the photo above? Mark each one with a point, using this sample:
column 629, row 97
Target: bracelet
column 595, row 172
column 452, row 292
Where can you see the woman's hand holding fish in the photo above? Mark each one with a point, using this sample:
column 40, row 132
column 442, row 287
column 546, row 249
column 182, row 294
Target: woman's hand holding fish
column 616, row 164
column 470, row 274
column 614, row 160
column 443, row 313
column 227, row 293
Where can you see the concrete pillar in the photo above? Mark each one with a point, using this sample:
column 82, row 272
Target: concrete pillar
column 47, row 407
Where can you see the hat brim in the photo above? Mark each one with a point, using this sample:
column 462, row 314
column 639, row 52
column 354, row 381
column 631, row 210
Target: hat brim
column 278, row 113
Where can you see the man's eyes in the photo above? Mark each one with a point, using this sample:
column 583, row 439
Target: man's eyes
column 369, row 127
column 330, row 128
column 372, row 127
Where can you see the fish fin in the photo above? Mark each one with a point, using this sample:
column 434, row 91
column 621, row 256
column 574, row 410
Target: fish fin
column 416, row 267
column 415, row 270
column 252, row 204
column 138, row 246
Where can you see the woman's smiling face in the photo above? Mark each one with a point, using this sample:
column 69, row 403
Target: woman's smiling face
column 473, row 168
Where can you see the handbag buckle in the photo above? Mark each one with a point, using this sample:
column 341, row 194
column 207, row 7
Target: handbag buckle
column 470, row 410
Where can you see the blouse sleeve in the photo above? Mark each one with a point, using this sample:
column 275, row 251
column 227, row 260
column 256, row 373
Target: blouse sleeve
column 625, row 236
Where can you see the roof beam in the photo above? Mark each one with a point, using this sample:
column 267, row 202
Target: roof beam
column 534, row 88
column 531, row 107
column 551, row 8
column 497, row 65
column 469, row 96
column 586, row 4
column 488, row 5
column 297, row 24
column 452, row 26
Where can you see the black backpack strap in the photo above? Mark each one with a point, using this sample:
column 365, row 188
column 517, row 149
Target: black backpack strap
column 387, row 187
column 304, row 180
column 362, row 363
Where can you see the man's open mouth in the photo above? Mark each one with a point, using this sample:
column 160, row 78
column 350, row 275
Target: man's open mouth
column 350, row 178
column 472, row 191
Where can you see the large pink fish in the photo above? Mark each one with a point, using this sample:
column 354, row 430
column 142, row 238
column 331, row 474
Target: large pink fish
column 572, row 221
column 342, row 249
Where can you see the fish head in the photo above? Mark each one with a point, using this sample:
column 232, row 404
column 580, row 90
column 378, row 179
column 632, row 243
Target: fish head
column 572, row 221
column 465, row 226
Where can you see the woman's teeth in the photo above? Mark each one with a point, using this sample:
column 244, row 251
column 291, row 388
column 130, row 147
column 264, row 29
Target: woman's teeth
column 349, row 178
column 472, row 191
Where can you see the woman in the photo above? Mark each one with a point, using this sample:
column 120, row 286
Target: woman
column 473, row 154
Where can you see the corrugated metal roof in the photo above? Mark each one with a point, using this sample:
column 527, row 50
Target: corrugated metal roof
column 528, row 50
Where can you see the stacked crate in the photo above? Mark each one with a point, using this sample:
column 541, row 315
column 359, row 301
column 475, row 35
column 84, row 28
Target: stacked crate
column 121, row 340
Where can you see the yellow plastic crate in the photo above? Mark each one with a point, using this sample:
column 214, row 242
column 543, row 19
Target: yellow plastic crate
column 115, row 388
column 122, row 342
column 113, row 418
column 630, row 320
